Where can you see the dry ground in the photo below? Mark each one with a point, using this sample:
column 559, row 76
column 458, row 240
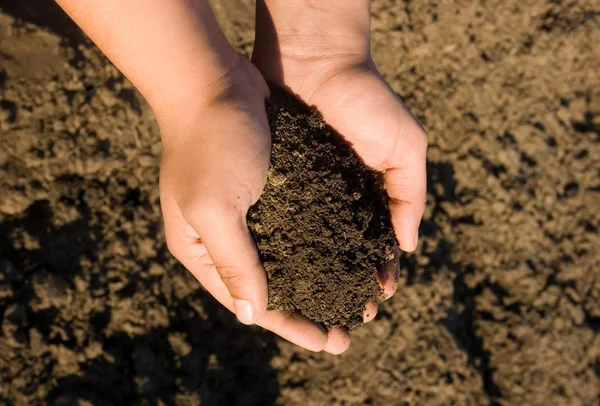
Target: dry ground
column 500, row 305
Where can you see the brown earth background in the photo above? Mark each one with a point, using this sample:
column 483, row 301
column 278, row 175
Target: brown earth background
column 499, row 305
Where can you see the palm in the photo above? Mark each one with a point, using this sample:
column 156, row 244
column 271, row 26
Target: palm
column 363, row 110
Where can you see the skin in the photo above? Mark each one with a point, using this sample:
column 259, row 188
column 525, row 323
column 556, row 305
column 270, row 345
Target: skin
column 209, row 104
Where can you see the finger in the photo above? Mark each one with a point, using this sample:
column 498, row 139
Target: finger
column 230, row 246
column 338, row 341
column 387, row 275
column 183, row 243
column 294, row 328
column 370, row 312
column 406, row 187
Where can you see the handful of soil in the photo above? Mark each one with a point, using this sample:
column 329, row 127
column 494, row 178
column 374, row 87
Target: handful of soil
column 322, row 224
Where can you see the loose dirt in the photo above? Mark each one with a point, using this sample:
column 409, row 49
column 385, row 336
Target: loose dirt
column 322, row 224
column 499, row 305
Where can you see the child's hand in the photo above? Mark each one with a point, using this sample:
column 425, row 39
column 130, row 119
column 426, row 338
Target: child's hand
column 210, row 106
column 321, row 52
column 215, row 162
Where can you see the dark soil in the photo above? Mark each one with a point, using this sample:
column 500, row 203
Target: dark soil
column 499, row 305
column 321, row 225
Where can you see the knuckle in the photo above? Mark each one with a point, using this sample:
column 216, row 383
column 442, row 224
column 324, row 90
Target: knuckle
column 232, row 276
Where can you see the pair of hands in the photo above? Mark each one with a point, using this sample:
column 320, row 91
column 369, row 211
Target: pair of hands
column 216, row 157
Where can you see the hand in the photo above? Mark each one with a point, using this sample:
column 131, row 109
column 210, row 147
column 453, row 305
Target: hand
column 341, row 81
column 209, row 103
column 216, row 154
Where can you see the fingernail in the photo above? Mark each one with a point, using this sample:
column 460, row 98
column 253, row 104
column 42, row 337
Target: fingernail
column 416, row 239
column 244, row 310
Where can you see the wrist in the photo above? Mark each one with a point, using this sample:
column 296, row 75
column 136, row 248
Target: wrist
column 307, row 29
column 189, row 94
column 195, row 63
column 240, row 87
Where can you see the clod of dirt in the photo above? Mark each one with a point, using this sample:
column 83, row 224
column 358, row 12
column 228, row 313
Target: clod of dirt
column 322, row 224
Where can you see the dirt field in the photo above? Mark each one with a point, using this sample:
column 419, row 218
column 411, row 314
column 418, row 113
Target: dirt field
column 500, row 304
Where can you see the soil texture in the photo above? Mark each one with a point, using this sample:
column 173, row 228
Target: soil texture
column 322, row 224
column 499, row 305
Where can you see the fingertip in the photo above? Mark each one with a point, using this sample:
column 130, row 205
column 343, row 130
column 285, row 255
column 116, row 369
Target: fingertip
column 370, row 312
column 407, row 235
column 390, row 289
column 248, row 291
column 408, row 247
column 407, row 192
column 411, row 241
column 387, row 276
column 338, row 341
column 245, row 311
column 408, row 240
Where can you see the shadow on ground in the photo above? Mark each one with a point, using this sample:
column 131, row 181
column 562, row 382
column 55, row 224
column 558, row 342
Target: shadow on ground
column 220, row 360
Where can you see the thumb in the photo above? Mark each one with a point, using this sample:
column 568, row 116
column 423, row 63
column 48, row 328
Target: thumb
column 407, row 186
column 234, row 255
